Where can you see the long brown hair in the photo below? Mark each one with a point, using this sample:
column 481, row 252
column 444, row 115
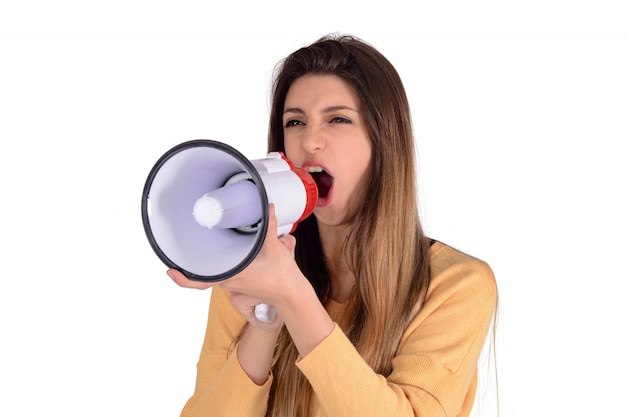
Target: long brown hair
column 386, row 248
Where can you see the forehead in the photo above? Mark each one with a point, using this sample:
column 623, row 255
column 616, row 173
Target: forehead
column 321, row 90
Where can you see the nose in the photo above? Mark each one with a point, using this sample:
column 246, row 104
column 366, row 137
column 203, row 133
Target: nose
column 313, row 139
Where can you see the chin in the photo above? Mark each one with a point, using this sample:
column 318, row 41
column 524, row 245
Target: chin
column 330, row 216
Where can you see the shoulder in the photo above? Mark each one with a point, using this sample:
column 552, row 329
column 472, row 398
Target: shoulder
column 462, row 287
column 444, row 340
column 453, row 270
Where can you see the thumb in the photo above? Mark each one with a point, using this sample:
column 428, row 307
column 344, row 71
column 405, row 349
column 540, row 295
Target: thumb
column 289, row 241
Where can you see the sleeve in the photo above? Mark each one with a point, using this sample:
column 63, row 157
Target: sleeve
column 435, row 368
column 222, row 386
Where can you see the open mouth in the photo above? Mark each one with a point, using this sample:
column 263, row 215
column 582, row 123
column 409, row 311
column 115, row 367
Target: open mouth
column 323, row 180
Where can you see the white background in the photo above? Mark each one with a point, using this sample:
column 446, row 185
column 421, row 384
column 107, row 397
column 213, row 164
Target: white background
column 520, row 116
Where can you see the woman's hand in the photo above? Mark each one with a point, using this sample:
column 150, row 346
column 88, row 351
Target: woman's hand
column 260, row 282
column 246, row 305
column 273, row 278
column 273, row 273
column 264, row 280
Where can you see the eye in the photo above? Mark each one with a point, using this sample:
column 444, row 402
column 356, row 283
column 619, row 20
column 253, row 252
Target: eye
column 293, row 122
column 340, row 119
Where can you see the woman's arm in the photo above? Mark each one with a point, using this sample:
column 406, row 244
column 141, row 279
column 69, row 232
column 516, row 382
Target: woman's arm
column 256, row 351
column 435, row 369
column 223, row 386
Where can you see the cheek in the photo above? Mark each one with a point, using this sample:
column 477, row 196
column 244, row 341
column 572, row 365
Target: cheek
column 364, row 171
column 291, row 152
column 364, row 160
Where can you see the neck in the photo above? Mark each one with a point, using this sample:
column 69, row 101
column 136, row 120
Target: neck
column 342, row 278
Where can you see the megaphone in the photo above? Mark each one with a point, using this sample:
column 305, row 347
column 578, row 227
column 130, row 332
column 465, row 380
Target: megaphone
column 205, row 208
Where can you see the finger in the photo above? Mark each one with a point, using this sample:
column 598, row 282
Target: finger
column 272, row 224
column 182, row 281
column 243, row 301
column 272, row 230
column 289, row 241
column 245, row 304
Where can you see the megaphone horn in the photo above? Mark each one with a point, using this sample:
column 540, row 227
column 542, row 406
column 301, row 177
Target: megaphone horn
column 205, row 208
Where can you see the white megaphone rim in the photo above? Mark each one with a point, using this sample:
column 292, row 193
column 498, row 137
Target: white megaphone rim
column 258, row 235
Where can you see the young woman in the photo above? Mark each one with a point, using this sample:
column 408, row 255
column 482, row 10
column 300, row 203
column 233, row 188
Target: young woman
column 373, row 317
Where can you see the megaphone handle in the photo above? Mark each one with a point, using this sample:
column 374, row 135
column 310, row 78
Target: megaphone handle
column 265, row 313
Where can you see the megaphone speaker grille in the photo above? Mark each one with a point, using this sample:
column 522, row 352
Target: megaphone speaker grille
column 178, row 179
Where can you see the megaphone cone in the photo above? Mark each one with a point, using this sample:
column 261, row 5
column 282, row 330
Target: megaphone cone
column 205, row 207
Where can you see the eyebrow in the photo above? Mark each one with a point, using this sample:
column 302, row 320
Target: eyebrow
column 330, row 109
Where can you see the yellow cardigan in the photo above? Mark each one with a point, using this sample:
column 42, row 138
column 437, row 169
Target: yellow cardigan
column 434, row 371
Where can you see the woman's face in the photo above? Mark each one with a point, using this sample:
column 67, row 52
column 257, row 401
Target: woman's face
column 325, row 134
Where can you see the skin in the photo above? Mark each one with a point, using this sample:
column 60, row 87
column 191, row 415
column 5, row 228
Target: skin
column 323, row 127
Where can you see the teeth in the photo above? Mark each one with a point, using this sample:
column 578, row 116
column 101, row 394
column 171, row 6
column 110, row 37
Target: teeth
column 315, row 169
